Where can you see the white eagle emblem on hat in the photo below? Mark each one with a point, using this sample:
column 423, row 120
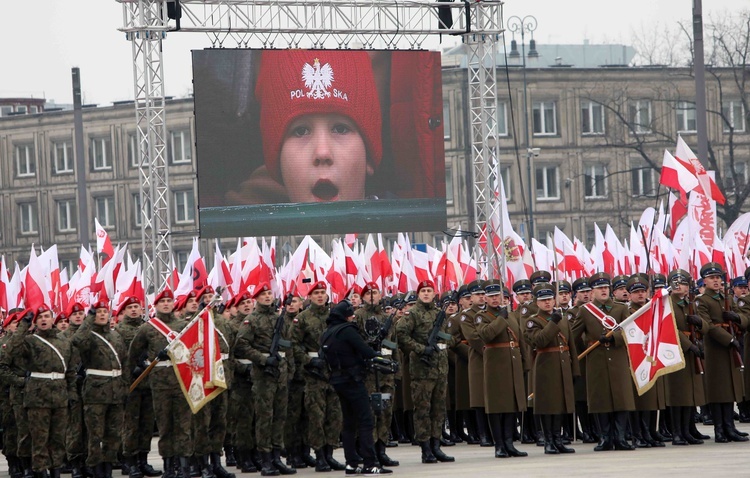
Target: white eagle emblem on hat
column 318, row 79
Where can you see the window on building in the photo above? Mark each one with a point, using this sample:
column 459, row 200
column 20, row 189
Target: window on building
column 734, row 183
column 446, row 119
column 67, row 220
column 449, row 184
column 179, row 146
column 28, row 216
column 592, row 118
column 184, row 205
column 502, row 118
column 22, row 109
column 686, row 117
column 639, row 115
column 70, row 265
column 34, row 109
column 105, row 210
column 137, row 216
column 182, row 258
column 507, row 184
column 6, row 110
column 133, row 150
column 100, row 152
column 595, row 181
column 62, row 157
column 25, row 160
column 590, row 235
column 544, row 118
column 642, row 177
column 547, row 182
column 734, row 114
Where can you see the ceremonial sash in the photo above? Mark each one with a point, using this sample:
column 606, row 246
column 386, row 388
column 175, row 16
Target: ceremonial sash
column 117, row 357
column 607, row 321
column 163, row 328
column 65, row 367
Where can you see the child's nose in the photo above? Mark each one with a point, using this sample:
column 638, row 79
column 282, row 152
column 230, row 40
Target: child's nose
column 323, row 154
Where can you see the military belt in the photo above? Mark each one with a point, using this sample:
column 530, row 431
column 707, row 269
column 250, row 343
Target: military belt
column 313, row 354
column 501, row 345
column 104, row 373
column 225, row 356
column 48, row 376
column 281, row 354
column 163, row 363
column 244, row 361
column 561, row 349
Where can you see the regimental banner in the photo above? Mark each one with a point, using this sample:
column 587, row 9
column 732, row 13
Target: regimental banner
column 653, row 344
column 197, row 361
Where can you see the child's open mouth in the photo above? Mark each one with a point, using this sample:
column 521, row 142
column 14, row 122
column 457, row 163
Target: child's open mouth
column 325, row 190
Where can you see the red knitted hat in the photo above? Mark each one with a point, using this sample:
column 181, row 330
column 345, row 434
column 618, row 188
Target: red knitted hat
column 293, row 83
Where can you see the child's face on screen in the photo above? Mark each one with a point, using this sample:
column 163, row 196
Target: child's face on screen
column 323, row 158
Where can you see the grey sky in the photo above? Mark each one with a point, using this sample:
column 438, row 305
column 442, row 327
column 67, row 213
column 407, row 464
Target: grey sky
column 43, row 39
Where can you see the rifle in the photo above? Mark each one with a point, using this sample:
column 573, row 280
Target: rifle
column 699, row 369
column 277, row 341
column 733, row 328
column 436, row 333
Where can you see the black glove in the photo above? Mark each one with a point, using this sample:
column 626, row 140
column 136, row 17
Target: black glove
column 695, row 350
column 92, row 312
column 80, row 375
column 556, row 317
column 736, row 344
column 604, row 340
column 730, row 316
column 504, row 312
column 317, row 363
column 137, row 371
column 272, row 361
column 163, row 355
column 28, row 317
column 694, row 320
column 429, row 351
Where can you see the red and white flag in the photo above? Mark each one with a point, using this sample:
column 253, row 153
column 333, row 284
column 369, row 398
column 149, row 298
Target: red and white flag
column 196, row 358
column 707, row 186
column 653, row 343
column 103, row 244
column 676, row 175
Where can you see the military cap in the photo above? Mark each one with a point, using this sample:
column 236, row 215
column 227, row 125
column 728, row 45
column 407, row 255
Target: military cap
column 100, row 304
column 619, row 281
column 494, row 287
column 264, row 287
column 128, row 301
column 711, row 269
column 447, row 297
column 700, row 282
column 506, row 292
column 679, row 276
column 521, row 286
column 207, row 289
column 581, row 285
column 740, row 281
column 659, row 281
column 636, row 283
column 475, row 287
column 60, row 317
column 165, row 294
column 397, row 302
column 370, row 286
column 600, row 279
column 539, row 277
column 320, row 285
column 41, row 309
column 411, row 297
column 241, row 298
column 425, row 284
column 75, row 307
column 562, row 286
column 544, row 291
column 463, row 291
column 11, row 317
column 180, row 303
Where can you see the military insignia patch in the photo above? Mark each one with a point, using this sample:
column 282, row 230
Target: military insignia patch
column 570, row 316
column 741, row 303
column 247, row 322
column 450, row 324
column 524, row 310
column 463, row 318
column 530, row 324
column 479, row 320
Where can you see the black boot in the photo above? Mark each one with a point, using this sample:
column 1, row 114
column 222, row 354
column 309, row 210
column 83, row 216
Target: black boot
column 549, row 442
column 130, row 463
column 716, row 410
column 400, row 425
column 41, row 474
column 527, row 428
column 229, row 454
column 169, row 468
column 321, row 464
column 15, row 470
column 54, row 472
column 427, row 456
column 184, row 466
column 496, row 426
column 727, row 415
column 335, row 465
column 692, row 424
column 538, row 432
column 146, row 469
column 677, row 434
column 472, row 434
column 587, row 432
column 219, row 471
column 664, row 432
column 621, row 424
column 686, row 421
column 453, row 427
column 637, row 431
column 647, row 435
column 195, row 467
column 409, row 426
column 435, row 442
column 279, row 465
column 267, row 468
column 299, row 461
column 245, row 461
column 482, row 428
column 306, row 457
column 557, row 438
column 509, row 425
column 606, row 443
column 207, row 470
column 108, row 470
column 382, row 457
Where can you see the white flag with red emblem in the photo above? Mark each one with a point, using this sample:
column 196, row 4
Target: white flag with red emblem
column 197, row 361
column 653, row 344
column 103, row 243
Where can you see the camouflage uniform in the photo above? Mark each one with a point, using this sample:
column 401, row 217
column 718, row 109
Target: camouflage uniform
column 138, row 422
column 50, row 385
column 102, row 352
column 12, row 403
column 75, row 434
column 322, row 408
column 241, row 412
column 172, row 411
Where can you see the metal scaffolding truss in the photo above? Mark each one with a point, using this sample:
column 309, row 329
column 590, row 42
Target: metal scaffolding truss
column 305, row 24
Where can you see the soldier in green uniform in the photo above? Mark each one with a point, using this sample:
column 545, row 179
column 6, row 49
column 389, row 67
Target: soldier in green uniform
column 532, row 431
column 555, row 365
column 322, row 407
column 12, row 398
column 503, row 356
column 460, row 347
column 138, row 414
column 50, row 384
column 428, row 366
column 685, row 387
column 723, row 376
column 102, row 352
column 370, row 320
column 75, row 434
column 620, row 289
column 581, row 295
column 270, row 374
column 410, row 299
column 172, row 412
column 449, row 302
column 609, row 385
column 742, row 300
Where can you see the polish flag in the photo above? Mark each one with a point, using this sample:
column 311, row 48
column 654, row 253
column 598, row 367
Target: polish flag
column 103, row 244
column 677, row 210
column 676, row 175
column 707, row 186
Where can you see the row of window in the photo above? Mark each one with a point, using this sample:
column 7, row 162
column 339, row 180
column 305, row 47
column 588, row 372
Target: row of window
column 7, row 110
column 66, row 212
column 593, row 117
column 179, row 151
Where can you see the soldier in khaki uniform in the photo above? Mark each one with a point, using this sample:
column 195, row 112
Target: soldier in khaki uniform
column 723, row 377
column 581, row 296
column 102, row 352
column 449, row 302
column 685, row 387
column 531, row 433
column 460, row 347
column 428, row 365
column 608, row 381
column 504, row 388
column 620, row 289
column 555, row 365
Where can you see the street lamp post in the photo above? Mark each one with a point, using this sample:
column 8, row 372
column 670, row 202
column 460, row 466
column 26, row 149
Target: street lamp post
column 522, row 25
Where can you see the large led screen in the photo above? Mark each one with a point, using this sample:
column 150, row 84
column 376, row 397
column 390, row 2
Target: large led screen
column 318, row 141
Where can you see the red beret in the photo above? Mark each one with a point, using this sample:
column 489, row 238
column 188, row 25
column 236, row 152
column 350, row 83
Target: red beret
column 205, row 290
column 320, row 285
column 12, row 317
column 370, row 286
column 40, row 309
column 102, row 304
column 355, row 289
column 180, row 303
column 61, row 316
column 165, row 294
column 76, row 307
column 424, row 284
column 240, row 297
column 260, row 289
column 128, row 301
